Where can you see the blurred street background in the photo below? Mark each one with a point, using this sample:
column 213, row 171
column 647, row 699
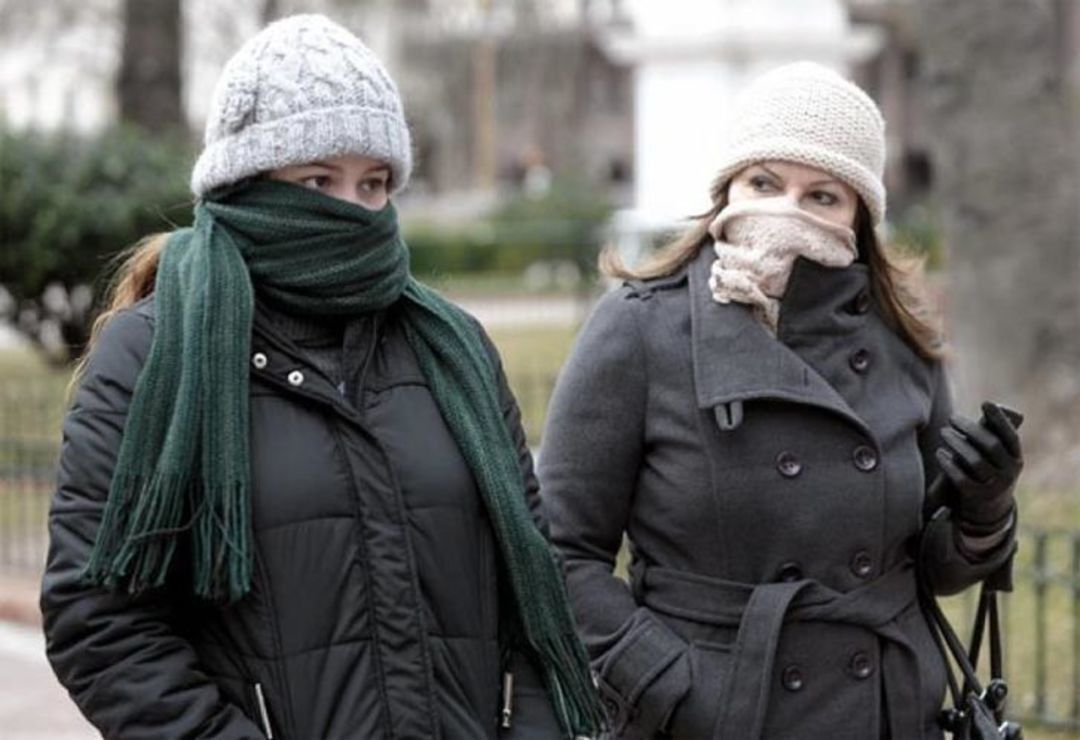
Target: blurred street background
column 545, row 130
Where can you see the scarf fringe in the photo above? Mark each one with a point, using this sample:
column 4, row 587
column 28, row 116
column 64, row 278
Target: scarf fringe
column 551, row 633
column 142, row 526
column 572, row 690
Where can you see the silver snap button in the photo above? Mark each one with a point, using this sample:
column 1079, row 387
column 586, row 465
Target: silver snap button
column 296, row 377
column 788, row 465
column 258, row 360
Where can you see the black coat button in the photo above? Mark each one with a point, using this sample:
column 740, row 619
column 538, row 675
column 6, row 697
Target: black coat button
column 788, row 465
column 865, row 458
column 861, row 304
column 788, row 572
column 792, row 678
column 861, row 666
column 860, row 360
column 862, row 565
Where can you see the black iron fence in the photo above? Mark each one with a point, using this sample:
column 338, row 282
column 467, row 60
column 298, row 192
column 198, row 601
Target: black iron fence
column 1041, row 623
column 1042, row 615
column 1043, row 629
column 30, row 413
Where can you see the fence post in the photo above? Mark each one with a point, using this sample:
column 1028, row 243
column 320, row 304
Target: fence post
column 1075, row 575
column 1039, row 581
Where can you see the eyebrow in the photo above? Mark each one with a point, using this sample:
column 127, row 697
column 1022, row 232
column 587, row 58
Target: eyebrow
column 774, row 175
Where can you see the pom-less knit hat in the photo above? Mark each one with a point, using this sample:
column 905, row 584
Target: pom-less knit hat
column 301, row 90
column 808, row 114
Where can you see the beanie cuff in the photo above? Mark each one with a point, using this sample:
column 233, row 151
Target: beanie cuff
column 867, row 184
column 306, row 137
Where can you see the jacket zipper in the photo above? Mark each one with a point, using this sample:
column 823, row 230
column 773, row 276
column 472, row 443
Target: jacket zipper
column 264, row 715
column 276, row 668
column 508, row 700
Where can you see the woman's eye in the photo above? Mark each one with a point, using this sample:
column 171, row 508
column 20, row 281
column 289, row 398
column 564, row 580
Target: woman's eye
column 316, row 182
column 761, row 184
column 373, row 185
column 824, row 198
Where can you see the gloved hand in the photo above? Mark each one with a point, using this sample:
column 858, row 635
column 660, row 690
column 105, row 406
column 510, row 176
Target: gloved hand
column 982, row 462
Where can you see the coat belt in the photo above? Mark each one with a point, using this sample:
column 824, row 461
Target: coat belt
column 759, row 611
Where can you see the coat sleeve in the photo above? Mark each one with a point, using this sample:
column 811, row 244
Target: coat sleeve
column 118, row 656
column 593, row 449
column 950, row 566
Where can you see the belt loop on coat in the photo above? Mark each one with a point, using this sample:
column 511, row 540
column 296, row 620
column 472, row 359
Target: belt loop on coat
column 729, row 415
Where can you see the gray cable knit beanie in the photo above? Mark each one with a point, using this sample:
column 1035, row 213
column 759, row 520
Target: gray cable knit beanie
column 807, row 113
column 302, row 89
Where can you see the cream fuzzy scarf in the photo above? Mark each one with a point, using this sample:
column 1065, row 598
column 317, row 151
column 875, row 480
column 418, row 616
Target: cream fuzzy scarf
column 756, row 243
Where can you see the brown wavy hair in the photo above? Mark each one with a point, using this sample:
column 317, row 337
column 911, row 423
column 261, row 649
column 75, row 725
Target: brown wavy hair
column 897, row 280
column 135, row 271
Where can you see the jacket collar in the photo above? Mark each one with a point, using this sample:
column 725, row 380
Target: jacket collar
column 734, row 356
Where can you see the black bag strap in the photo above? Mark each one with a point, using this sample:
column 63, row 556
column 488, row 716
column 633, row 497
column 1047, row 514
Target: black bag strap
column 987, row 624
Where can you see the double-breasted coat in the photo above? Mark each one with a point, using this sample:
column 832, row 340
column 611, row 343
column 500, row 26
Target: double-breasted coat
column 771, row 490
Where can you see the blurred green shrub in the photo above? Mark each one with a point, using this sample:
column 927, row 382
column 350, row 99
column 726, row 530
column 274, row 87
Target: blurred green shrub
column 67, row 205
column 566, row 223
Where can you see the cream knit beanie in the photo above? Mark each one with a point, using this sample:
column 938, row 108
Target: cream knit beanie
column 302, row 89
column 808, row 114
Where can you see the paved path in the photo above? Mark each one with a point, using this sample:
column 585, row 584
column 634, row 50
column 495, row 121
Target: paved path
column 526, row 311
column 33, row 705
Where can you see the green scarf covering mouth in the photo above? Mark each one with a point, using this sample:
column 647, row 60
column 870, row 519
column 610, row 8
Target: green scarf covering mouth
column 183, row 469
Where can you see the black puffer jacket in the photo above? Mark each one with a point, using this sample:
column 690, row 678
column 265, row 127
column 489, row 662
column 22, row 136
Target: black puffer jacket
column 374, row 609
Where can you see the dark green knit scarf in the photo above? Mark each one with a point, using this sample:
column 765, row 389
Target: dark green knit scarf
column 183, row 470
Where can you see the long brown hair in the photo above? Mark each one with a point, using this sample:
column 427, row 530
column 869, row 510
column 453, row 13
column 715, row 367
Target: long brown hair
column 132, row 280
column 896, row 279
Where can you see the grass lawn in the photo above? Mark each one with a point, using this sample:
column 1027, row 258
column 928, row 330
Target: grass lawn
column 532, row 358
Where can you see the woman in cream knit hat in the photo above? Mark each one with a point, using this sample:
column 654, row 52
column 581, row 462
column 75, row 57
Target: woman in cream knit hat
column 759, row 410
column 295, row 499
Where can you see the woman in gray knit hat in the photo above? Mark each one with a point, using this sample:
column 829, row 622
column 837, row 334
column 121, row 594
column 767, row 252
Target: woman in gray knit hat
column 294, row 498
column 760, row 410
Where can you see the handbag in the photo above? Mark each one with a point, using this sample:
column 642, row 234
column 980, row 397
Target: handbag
column 977, row 711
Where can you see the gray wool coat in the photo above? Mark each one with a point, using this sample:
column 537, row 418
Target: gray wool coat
column 771, row 490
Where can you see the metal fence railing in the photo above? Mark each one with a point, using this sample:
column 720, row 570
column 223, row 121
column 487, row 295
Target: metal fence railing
column 30, row 413
column 1043, row 630
column 1041, row 616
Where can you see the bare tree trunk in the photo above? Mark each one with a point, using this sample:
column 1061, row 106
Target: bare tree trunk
column 1006, row 186
column 485, row 134
column 148, row 86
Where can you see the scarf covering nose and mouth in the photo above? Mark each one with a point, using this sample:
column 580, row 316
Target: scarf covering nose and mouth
column 756, row 244
column 183, row 469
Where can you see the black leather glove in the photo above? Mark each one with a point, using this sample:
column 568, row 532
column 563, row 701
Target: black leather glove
column 982, row 461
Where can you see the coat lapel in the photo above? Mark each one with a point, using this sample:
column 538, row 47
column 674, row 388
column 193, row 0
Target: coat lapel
column 736, row 359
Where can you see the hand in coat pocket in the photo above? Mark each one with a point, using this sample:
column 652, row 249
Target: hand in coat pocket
column 695, row 716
